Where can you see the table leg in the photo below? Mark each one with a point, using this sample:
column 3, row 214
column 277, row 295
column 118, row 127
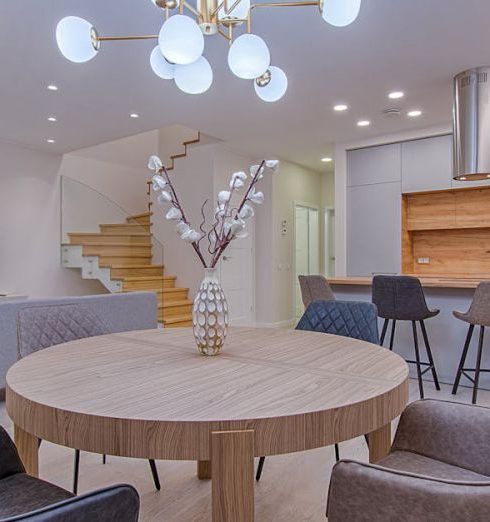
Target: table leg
column 203, row 469
column 379, row 443
column 232, row 457
column 28, row 447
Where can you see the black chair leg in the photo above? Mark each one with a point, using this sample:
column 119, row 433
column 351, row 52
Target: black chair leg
column 76, row 468
column 383, row 332
column 154, row 473
column 260, row 468
column 104, row 458
column 392, row 336
column 337, row 453
column 478, row 364
column 417, row 359
column 429, row 355
column 463, row 358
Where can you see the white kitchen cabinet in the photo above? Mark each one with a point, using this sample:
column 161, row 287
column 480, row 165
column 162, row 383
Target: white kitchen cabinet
column 374, row 165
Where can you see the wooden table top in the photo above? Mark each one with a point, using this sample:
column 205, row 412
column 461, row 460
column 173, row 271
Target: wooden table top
column 297, row 390
column 427, row 282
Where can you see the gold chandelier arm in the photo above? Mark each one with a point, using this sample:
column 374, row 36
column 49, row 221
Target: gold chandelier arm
column 278, row 4
column 224, row 4
column 122, row 38
column 191, row 8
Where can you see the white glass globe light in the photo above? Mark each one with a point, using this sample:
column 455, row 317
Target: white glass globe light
column 340, row 12
column 194, row 78
column 239, row 12
column 181, row 40
column 160, row 66
column 276, row 88
column 249, row 57
column 74, row 39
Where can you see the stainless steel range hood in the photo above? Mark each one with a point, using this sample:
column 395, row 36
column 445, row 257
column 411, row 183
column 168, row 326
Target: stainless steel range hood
column 471, row 124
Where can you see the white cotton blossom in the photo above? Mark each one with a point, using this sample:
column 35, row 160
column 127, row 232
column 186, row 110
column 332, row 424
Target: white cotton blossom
column 174, row 214
column 164, row 197
column 241, row 235
column 234, row 226
column 246, row 212
column 272, row 164
column 254, row 171
column 220, row 211
column 237, row 180
column 191, row 236
column 159, row 182
column 182, row 227
column 224, row 196
column 155, row 163
column 256, row 197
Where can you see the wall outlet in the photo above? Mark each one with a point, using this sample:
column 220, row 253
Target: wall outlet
column 423, row 260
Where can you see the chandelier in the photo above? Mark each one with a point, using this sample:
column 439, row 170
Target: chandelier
column 179, row 53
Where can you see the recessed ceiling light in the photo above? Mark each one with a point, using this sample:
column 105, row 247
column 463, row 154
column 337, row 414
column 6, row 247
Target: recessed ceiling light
column 134, row 115
column 52, row 119
column 395, row 95
column 50, row 140
column 414, row 113
column 340, row 107
column 327, row 159
column 363, row 123
column 52, row 87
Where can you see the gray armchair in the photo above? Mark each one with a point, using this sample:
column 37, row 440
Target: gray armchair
column 438, row 469
column 29, row 499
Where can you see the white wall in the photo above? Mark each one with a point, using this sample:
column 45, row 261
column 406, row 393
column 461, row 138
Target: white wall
column 30, row 227
column 341, row 183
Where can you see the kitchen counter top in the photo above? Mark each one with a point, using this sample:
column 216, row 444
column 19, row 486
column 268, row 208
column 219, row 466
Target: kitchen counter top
column 427, row 282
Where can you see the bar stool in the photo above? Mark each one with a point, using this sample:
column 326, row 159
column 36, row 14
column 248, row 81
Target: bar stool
column 478, row 314
column 401, row 298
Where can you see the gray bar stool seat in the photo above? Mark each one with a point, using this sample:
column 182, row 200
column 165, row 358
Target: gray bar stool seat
column 401, row 298
column 478, row 314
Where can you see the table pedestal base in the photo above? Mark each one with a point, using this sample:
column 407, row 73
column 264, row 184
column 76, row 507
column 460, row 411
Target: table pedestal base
column 28, row 448
column 232, row 457
column 379, row 443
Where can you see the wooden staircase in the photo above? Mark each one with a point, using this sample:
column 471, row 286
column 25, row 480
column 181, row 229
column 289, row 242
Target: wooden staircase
column 126, row 250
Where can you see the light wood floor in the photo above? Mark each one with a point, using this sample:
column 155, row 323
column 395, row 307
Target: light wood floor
column 293, row 487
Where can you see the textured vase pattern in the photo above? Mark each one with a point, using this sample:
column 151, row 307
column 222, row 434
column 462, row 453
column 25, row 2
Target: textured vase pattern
column 210, row 315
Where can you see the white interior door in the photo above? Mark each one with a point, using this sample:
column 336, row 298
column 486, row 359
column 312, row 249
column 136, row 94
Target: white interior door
column 237, row 278
column 307, row 250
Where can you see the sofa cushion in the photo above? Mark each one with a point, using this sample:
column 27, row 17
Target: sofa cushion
column 415, row 463
column 21, row 493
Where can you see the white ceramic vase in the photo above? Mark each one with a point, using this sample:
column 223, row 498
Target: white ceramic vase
column 210, row 315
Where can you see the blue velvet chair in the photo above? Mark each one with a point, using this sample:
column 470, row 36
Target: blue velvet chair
column 358, row 320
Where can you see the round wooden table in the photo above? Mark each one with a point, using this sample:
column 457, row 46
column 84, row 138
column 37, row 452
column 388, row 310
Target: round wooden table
column 149, row 394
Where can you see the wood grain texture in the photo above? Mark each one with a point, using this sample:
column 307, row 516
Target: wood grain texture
column 379, row 443
column 431, row 210
column 233, row 479
column 28, row 448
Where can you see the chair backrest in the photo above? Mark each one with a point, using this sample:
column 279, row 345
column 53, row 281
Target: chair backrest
column 40, row 327
column 358, row 320
column 314, row 288
column 479, row 312
column 399, row 297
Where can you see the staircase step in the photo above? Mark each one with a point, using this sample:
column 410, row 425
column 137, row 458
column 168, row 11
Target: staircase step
column 121, row 271
column 125, row 228
column 108, row 261
column 141, row 219
column 178, row 321
column 169, row 295
column 176, row 308
column 118, row 249
column 84, row 238
column 148, row 283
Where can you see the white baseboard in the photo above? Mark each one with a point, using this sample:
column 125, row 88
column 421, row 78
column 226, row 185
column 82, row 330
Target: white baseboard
column 288, row 323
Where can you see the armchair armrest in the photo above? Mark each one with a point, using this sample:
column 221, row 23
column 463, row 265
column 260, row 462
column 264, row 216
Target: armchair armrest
column 10, row 462
column 114, row 504
column 451, row 432
column 362, row 493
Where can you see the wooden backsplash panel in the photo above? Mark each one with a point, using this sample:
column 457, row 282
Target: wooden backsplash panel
column 452, row 252
column 433, row 210
column 473, row 208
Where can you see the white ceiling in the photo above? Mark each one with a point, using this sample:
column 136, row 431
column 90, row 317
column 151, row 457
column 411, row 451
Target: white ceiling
column 412, row 45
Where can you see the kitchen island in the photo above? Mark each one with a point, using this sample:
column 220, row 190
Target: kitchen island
column 446, row 333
